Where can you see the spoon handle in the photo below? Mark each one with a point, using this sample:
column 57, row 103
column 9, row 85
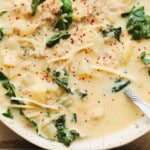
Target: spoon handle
column 142, row 104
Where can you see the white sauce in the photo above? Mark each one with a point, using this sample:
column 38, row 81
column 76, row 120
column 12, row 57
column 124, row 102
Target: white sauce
column 24, row 59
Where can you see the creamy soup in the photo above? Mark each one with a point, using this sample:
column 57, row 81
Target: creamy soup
column 64, row 65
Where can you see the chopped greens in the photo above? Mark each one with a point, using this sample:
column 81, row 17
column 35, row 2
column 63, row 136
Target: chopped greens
column 3, row 76
column 65, row 16
column 67, row 6
column 64, row 21
column 82, row 95
column 116, row 31
column 9, row 87
column 48, row 69
column 62, row 81
column 63, row 103
column 48, row 114
column 8, row 114
column 35, row 4
column 117, row 80
column 1, row 34
column 26, row 50
column 64, row 135
column 54, row 39
column 138, row 24
column 145, row 60
column 74, row 118
column 17, row 102
column 120, row 84
column 3, row 12
column 29, row 120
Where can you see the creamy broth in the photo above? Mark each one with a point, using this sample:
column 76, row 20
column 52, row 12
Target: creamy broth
column 86, row 61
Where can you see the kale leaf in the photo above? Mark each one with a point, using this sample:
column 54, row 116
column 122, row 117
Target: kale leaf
column 64, row 135
column 144, row 59
column 138, row 24
column 29, row 120
column 7, row 85
column 35, row 4
column 119, row 85
column 62, row 81
column 3, row 76
column 54, row 39
column 8, row 114
column 116, row 31
column 65, row 16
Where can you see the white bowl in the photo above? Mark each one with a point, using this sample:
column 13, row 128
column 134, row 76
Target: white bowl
column 125, row 136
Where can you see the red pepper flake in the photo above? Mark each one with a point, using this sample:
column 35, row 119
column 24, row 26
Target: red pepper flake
column 18, row 74
column 77, row 28
column 72, row 41
column 113, row 99
column 98, row 58
column 17, row 18
column 142, row 115
column 92, row 21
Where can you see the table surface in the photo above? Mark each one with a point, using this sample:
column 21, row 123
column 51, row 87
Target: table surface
column 9, row 141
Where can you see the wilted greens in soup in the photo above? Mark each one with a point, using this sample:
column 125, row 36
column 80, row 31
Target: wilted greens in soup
column 65, row 63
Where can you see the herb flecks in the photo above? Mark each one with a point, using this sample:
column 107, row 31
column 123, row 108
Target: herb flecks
column 64, row 135
column 8, row 114
column 138, row 24
column 119, row 85
column 110, row 29
column 55, row 38
column 65, row 15
column 144, row 59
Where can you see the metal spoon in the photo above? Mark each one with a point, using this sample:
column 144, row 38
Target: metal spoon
column 144, row 106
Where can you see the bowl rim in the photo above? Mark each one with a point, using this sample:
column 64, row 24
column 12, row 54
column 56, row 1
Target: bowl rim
column 127, row 135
